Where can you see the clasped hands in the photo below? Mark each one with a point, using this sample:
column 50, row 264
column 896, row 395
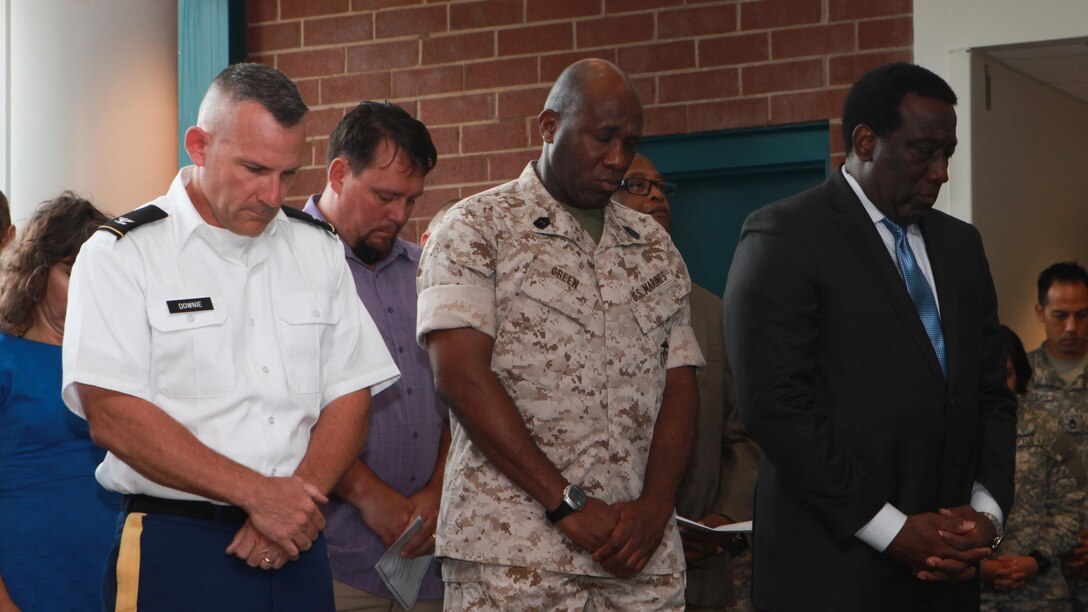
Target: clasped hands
column 946, row 546
column 622, row 536
column 284, row 519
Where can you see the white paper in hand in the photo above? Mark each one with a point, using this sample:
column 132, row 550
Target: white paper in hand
column 744, row 527
column 402, row 575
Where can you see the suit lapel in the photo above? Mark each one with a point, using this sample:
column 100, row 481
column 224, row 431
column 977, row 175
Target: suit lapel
column 858, row 229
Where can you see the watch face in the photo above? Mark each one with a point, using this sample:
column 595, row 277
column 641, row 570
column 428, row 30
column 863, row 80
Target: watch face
column 575, row 497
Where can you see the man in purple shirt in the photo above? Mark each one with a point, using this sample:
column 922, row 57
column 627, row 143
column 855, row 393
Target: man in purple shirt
column 378, row 157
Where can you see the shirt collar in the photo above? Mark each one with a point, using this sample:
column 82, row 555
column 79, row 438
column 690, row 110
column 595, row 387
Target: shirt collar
column 399, row 249
column 874, row 212
column 621, row 224
column 189, row 223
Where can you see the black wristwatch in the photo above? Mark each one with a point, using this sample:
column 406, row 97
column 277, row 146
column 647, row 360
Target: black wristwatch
column 1041, row 561
column 574, row 499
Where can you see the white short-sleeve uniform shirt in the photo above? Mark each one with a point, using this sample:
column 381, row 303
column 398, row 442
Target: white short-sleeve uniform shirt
column 241, row 340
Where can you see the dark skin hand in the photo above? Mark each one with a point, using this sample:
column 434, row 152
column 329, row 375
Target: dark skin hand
column 635, row 538
column 930, row 544
column 584, row 527
column 642, row 522
column 700, row 546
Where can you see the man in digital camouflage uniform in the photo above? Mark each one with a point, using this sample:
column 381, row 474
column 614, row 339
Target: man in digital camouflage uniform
column 558, row 329
column 1022, row 573
column 1060, row 378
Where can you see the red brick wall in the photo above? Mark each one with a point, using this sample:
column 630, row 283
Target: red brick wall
column 477, row 71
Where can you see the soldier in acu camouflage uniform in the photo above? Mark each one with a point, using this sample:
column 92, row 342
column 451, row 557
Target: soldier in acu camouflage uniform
column 558, row 329
column 1060, row 379
column 1020, row 576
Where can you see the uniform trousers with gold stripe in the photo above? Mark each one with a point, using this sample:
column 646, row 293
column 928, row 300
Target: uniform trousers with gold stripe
column 163, row 563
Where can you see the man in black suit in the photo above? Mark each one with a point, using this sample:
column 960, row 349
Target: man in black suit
column 863, row 332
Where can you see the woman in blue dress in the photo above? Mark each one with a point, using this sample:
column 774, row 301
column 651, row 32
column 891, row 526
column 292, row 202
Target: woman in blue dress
column 56, row 522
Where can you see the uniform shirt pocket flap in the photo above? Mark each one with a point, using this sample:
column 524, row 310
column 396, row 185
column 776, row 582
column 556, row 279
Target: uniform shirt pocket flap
column 652, row 309
column 304, row 309
column 559, row 288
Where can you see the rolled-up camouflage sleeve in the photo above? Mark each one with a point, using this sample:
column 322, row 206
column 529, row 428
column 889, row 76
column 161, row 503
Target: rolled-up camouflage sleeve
column 456, row 278
column 683, row 347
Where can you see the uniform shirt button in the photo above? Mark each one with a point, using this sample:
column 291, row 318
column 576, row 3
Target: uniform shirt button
column 273, row 471
column 272, row 420
column 389, row 309
column 412, row 479
column 415, row 434
column 265, row 368
column 400, row 349
column 409, row 391
column 192, row 318
column 252, row 321
column 317, row 313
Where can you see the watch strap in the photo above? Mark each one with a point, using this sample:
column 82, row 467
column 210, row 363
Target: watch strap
column 560, row 512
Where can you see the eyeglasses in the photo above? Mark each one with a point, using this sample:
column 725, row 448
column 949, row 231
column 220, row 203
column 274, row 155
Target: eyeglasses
column 638, row 186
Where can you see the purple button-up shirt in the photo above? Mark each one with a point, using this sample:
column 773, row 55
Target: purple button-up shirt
column 406, row 420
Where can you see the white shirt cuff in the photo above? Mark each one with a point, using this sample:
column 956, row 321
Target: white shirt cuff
column 982, row 501
column 882, row 528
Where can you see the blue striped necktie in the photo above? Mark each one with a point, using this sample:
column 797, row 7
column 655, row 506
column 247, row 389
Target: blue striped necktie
column 919, row 290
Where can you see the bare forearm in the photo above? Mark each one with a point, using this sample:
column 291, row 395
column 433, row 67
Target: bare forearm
column 151, row 442
column 336, row 441
column 670, row 449
column 461, row 360
column 497, row 429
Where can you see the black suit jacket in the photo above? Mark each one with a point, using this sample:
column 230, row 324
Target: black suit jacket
column 840, row 385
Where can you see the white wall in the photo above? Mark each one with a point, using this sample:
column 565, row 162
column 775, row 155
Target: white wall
column 5, row 158
column 1001, row 173
column 1031, row 185
column 93, row 101
column 944, row 31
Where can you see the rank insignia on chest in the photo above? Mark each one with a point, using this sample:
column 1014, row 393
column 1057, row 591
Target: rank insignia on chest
column 542, row 222
column 189, row 305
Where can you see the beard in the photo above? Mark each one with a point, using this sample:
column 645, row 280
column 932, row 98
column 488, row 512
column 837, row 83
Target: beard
column 372, row 252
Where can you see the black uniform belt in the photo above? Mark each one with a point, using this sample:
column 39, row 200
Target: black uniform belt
column 205, row 511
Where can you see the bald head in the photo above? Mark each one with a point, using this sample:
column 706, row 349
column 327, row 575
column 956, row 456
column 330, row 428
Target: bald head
column 248, row 81
column 568, row 92
column 590, row 125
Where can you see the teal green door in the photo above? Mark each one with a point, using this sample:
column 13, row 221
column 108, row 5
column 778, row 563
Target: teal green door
column 723, row 177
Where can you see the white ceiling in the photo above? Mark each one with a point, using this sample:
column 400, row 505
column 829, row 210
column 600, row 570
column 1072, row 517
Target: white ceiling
column 1063, row 65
